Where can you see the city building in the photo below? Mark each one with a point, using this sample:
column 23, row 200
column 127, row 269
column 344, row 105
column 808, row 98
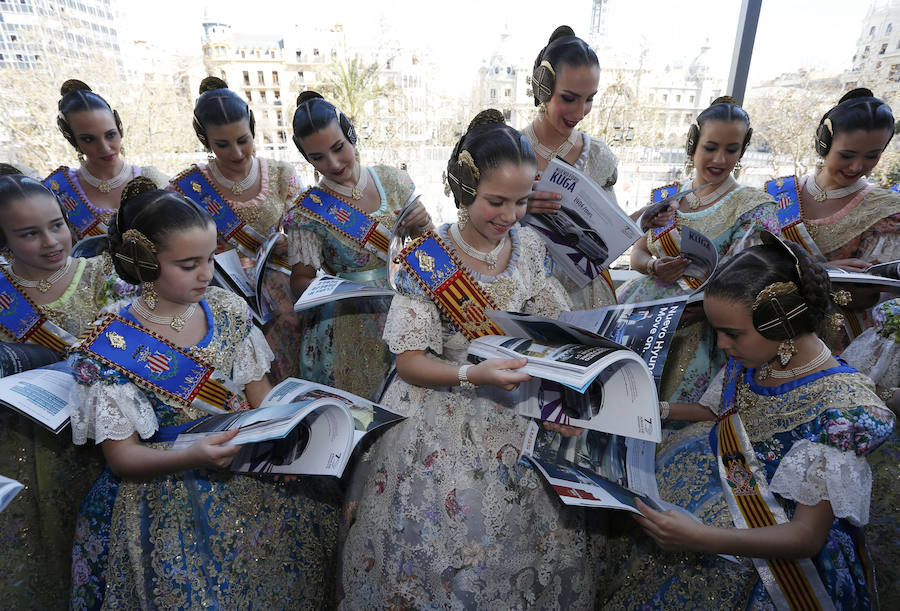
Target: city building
column 876, row 62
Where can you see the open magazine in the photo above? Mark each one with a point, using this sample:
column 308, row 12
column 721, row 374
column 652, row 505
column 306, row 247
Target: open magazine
column 300, row 428
column 16, row 357
column 578, row 377
column 40, row 394
column 891, row 269
column 589, row 231
column 248, row 283
column 876, row 276
column 324, row 289
column 9, row 488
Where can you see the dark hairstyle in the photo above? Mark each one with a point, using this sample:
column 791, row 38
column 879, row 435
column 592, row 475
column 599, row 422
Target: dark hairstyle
column 15, row 186
column 219, row 105
column 563, row 48
column 78, row 97
column 138, row 230
column 314, row 113
column 724, row 108
column 745, row 275
column 487, row 143
column 857, row 109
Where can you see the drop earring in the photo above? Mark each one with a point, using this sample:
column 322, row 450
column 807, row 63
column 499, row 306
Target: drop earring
column 737, row 169
column 149, row 295
column 463, row 216
column 786, row 351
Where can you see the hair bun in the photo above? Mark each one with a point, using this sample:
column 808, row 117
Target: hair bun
column 7, row 169
column 561, row 31
column 306, row 96
column 73, row 84
column 487, row 117
column 135, row 187
column 211, row 83
column 859, row 92
column 725, row 99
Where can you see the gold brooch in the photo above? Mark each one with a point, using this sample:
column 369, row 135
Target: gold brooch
column 426, row 261
column 116, row 340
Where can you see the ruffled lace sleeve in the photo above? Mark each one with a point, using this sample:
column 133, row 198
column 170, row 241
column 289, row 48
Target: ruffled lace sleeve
column 107, row 405
column 712, row 397
column 813, row 472
column 161, row 180
column 304, row 246
column 289, row 184
column 413, row 324
column 253, row 359
column 548, row 297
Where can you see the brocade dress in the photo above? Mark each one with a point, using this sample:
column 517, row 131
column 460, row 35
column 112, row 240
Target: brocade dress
column 733, row 223
column 812, row 437
column 37, row 527
column 342, row 344
column 449, row 518
column 200, row 537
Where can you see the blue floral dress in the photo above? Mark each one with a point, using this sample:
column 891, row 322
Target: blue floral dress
column 199, row 538
column 811, row 436
column 733, row 224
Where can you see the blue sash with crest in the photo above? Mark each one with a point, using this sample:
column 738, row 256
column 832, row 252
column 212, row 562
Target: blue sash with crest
column 157, row 365
column 23, row 320
column 668, row 239
column 790, row 216
column 345, row 220
column 79, row 213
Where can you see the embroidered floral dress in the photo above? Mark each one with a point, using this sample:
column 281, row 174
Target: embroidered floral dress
column 200, row 537
column 37, row 527
column 733, row 224
column 279, row 187
column 342, row 344
column 449, row 518
column 812, row 437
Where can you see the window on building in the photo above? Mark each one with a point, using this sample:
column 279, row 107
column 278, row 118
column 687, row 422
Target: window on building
column 872, row 31
column 888, row 29
column 507, row 92
column 277, row 94
column 665, row 97
column 493, row 94
column 315, row 53
column 246, row 77
column 262, row 96
column 282, row 137
column 300, row 75
column 274, row 77
column 507, row 114
column 692, row 99
column 222, row 74
column 678, row 98
column 299, row 55
column 279, row 118
column 894, row 74
column 260, row 77
column 883, row 49
column 243, row 53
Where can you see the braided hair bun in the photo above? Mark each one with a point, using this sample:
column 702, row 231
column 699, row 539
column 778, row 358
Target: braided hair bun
column 486, row 117
column 859, row 92
column 135, row 187
column 561, row 31
column 73, row 84
column 307, row 95
column 211, row 83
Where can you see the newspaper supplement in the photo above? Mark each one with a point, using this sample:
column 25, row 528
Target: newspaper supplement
column 300, row 428
column 589, row 231
column 40, row 394
column 325, row 289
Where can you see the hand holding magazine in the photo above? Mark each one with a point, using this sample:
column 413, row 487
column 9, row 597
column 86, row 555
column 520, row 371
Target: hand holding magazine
column 589, row 231
column 300, row 428
column 567, row 361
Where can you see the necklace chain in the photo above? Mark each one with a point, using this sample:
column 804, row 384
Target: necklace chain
column 817, row 361
column 546, row 152
column 237, row 187
column 177, row 322
column 44, row 284
column 356, row 191
column 103, row 185
column 488, row 257
column 820, row 195
column 695, row 202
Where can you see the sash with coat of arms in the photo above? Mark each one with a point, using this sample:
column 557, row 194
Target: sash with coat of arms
column 23, row 320
column 78, row 212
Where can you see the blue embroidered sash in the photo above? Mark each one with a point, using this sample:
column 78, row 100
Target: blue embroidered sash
column 157, row 365
column 792, row 584
column 345, row 220
column 790, row 216
column 445, row 279
column 79, row 213
column 23, row 320
column 666, row 236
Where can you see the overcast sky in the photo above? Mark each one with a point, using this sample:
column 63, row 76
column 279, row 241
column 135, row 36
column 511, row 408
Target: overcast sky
column 461, row 33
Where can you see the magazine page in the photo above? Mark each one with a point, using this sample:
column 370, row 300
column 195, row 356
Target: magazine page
column 16, row 357
column 701, row 252
column 40, row 394
column 259, row 274
column 405, row 211
column 885, row 283
column 9, row 488
column 325, row 289
column 589, row 231
column 594, row 469
column 229, row 274
column 646, row 328
column 891, row 269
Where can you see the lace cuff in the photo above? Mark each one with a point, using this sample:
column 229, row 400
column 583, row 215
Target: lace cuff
column 304, row 246
column 110, row 411
column 413, row 324
column 812, row 472
column 878, row 356
column 712, row 397
column 253, row 359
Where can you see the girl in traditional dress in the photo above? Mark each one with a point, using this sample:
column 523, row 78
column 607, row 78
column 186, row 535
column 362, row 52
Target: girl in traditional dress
column 342, row 343
column 91, row 192
column 259, row 191
column 729, row 214
column 182, row 531
column 449, row 518
column 38, row 525
column 788, row 465
column 564, row 81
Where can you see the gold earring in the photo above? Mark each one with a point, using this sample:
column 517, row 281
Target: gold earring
column 737, row 169
column 80, row 156
column 542, row 108
column 210, row 156
column 7, row 254
column 786, row 351
column 820, row 163
column 149, row 295
column 688, row 167
column 122, row 150
column 463, row 215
